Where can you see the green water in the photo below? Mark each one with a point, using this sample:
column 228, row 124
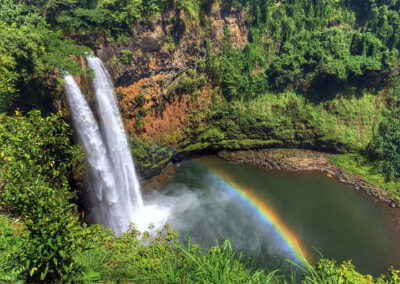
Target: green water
column 328, row 217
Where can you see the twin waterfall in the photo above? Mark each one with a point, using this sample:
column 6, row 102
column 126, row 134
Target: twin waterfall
column 114, row 190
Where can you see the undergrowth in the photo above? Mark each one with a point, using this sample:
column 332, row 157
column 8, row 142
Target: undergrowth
column 366, row 169
column 287, row 120
column 161, row 258
column 10, row 246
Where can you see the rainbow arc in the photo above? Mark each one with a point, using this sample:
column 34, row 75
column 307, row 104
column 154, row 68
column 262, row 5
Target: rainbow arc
column 263, row 211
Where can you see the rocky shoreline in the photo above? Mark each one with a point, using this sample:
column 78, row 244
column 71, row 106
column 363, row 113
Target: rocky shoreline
column 295, row 160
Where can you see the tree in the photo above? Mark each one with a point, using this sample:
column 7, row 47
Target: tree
column 385, row 147
column 31, row 57
column 36, row 160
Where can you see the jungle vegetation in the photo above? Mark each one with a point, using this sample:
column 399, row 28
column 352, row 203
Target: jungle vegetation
column 314, row 65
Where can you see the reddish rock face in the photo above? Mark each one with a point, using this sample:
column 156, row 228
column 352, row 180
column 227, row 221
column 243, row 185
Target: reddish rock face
column 149, row 67
column 146, row 67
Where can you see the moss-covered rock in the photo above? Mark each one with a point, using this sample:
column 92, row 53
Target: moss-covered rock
column 150, row 158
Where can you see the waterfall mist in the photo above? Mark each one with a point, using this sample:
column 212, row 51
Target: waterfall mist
column 201, row 207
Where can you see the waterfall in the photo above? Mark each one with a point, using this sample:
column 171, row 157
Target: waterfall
column 113, row 187
column 113, row 132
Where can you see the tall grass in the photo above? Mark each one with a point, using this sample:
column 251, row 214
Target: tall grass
column 175, row 262
column 142, row 258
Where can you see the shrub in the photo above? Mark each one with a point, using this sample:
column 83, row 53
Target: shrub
column 55, row 234
column 37, row 158
column 384, row 147
column 126, row 56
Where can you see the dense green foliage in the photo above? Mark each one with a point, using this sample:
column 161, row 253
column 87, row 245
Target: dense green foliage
column 113, row 17
column 31, row 56
column 36, row 153
column 37, row 159
column 161, row 258
column 379, row 162
column 287, row 119
column 10, row 247
column 309, row 46
column 385, row 147
column 369, row 170
column 149, row 157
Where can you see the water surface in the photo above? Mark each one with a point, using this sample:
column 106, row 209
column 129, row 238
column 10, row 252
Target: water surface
column 325, row 216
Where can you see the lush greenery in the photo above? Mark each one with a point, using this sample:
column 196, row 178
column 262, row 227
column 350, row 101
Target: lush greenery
column 308, row 46
column 378, row 163
column 31, row 57
column 288, row 119
column 112, row 17
column 385, row 147
column 36, row 153
column 314, row 74
column 161, row 258
column 37, row 159
column 362, row 166
column 149, row 157
column 11, row 233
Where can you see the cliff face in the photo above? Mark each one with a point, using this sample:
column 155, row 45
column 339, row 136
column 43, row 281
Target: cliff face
column 169, row 45
column 148, row 66
column 153, row 72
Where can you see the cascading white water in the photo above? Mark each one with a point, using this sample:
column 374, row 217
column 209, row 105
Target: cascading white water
column 113, row 132
column 100, row 170
column 114, row 190
column 113, row 187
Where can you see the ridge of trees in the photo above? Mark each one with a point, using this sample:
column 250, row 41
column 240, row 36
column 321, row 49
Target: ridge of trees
column 305, row 46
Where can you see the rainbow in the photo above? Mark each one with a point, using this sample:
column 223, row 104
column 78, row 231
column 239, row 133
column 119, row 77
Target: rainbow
column 263, row 211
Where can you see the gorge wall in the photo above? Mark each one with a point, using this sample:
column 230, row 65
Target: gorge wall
column 149, row 67
column 170, row 105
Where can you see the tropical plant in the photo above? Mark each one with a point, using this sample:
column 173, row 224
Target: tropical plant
column 384, row 147
column 37, row 158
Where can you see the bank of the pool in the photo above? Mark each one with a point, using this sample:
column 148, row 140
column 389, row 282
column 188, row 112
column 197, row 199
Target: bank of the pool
column 298, row 160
